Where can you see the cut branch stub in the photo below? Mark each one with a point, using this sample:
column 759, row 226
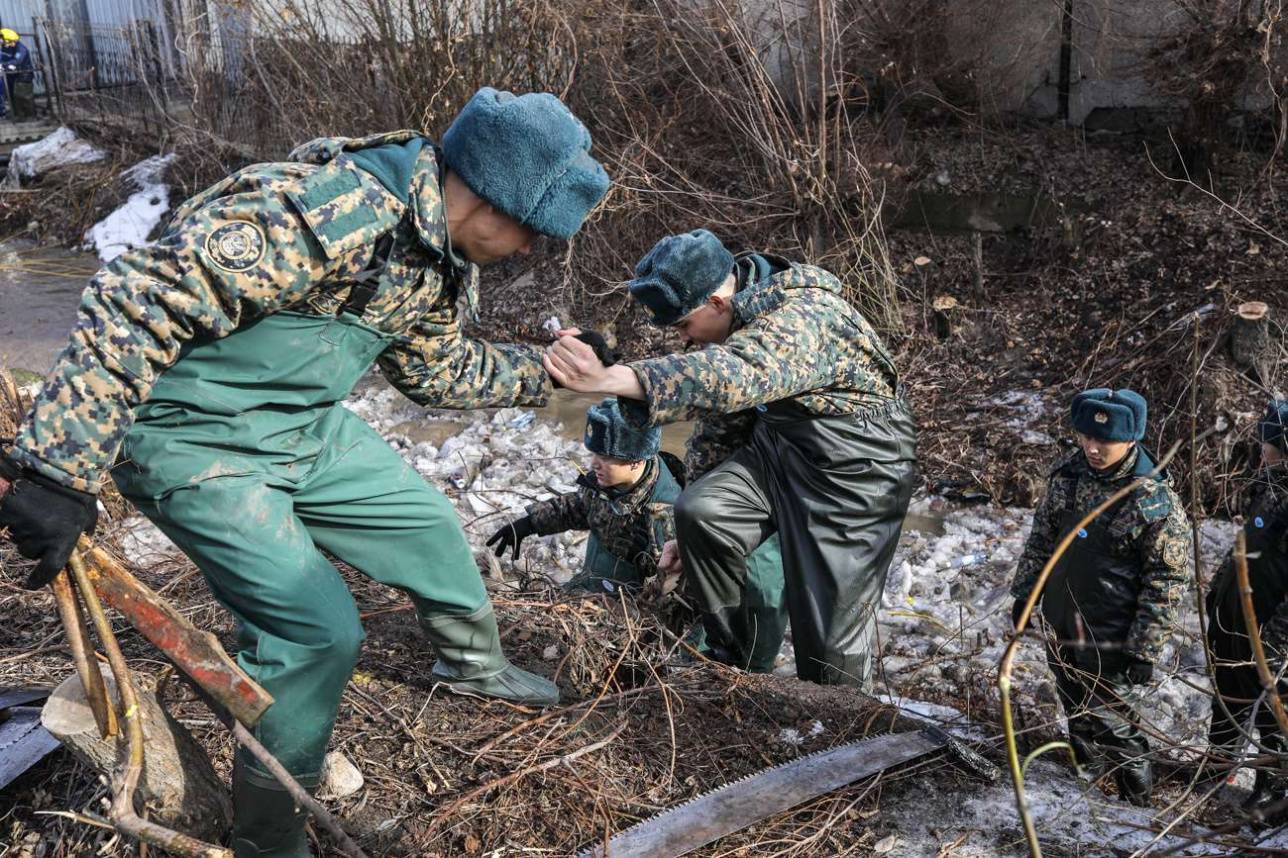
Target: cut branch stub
column 1251, row 344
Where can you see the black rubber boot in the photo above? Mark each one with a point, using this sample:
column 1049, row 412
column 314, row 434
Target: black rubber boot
column 1135, row 781
column 470, row 661
column 266, row 821
column 1090, row 759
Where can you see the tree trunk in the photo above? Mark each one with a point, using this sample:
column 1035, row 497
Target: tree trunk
column 946, row 314
column 1251, row 345
column 179, row 788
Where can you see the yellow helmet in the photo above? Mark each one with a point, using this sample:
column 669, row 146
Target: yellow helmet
column 7, row 35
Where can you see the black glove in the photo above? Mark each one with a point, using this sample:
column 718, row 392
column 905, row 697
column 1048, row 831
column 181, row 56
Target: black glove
column 1016, row 609
column 596, row 341
column 510, row 535
column 1138, row 671
column 44, row 520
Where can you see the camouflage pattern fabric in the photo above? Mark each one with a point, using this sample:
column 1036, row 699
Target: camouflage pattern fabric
column 272, row 237
column 630, row 525
column 715, row 438
column 795, row 337
column 1148, row 531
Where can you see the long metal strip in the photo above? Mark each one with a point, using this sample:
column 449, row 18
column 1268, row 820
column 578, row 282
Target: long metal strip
column 736, row 805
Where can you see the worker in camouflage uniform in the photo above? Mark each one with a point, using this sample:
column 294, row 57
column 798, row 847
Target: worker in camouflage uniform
column 1241, row 711
column 214, row 362
column 799, row 400
column 1112, row 598
column 625, row 503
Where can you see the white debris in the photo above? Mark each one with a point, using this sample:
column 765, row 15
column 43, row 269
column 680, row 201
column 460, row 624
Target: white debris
column 143, row 542
column 61, row 148
column 340, row 777
column 491, row 468
column 130, row 225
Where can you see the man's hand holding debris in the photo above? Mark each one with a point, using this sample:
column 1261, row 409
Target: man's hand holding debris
column 579, row 365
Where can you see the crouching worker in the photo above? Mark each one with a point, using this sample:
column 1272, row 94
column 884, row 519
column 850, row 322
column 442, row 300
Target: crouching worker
column 1112, row 598
column 1240, row 711
column 625, row 502
column 215, row 362
column 818, row 445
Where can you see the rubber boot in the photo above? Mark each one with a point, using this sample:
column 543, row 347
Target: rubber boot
column 1135, row 781
column 470, row 661
column 1090, row 759
column 266, row 821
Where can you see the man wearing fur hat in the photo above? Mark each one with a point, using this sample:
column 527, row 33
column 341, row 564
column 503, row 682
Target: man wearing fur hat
column 798, row 398
column 1112, row 598
column 1241, row 710
column 210, row 368
column 625, row 503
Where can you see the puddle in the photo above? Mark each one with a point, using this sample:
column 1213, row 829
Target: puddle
column 40, row 288
column 941, row 212
column 569, row 410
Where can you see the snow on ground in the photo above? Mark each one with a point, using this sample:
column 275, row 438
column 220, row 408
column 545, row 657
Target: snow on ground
column 129, row 226
column 943, row 626
column 59, row 149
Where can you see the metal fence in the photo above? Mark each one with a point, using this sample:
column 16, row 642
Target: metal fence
column 102, row 72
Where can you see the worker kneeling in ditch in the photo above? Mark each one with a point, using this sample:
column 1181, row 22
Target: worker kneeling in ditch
column 1112, row 597
column 803, row 434
column 210, row 368
column 627, row 504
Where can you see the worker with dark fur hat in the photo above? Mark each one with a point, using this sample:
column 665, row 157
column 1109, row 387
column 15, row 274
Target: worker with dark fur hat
column 1240, row 712
column 798, row 401
column 625, row 502
column 1112, row 597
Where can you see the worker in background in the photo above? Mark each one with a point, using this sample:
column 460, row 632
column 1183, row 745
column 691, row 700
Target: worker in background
column 800, row 402
column 1241, row 713
column 15, row 60
column 1111, row 600
column 210, row 368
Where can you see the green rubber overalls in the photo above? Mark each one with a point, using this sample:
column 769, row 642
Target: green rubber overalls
column 244, row 458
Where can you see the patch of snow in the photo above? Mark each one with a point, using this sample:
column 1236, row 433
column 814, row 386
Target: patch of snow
column 143, row 542
column 129, row 226
column 60, row 148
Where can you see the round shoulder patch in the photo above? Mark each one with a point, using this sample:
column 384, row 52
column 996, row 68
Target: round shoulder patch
column 236, row 246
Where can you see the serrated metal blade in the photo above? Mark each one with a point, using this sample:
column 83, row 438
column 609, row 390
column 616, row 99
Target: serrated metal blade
column 736, row 805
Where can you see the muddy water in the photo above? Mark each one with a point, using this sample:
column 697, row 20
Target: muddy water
column 39, row 290
column 569, row 409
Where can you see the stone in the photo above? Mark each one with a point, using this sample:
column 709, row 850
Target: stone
column 340, row 777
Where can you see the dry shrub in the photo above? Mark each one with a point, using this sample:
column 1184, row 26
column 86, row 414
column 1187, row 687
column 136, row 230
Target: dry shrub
column 749, row 118
column 1219, row 53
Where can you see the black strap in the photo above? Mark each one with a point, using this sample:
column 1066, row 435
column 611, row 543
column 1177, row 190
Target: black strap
column 367, row 283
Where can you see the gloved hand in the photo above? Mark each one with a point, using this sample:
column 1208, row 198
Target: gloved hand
column 1139, row 671
column 510, row 535
column 1016, row 609
column 44, row 519
column 596, row 341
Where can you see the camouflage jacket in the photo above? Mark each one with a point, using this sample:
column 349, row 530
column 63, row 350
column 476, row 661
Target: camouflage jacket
column 795, row 337
column 631, row 524
column 1148, row 533
column 270, row 237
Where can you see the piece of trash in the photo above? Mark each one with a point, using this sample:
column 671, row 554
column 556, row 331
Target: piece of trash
column 523, row 419
column 552, row 326
column 551, row 652
column 967, row 560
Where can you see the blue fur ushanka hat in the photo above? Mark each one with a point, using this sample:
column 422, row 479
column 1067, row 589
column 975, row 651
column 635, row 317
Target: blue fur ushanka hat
column 1273, row 428
column 529, row 157
column 679, row 273
column 1110, row 415
column 608, row 434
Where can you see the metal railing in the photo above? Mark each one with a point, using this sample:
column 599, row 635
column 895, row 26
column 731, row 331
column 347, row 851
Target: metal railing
column 97, row 72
